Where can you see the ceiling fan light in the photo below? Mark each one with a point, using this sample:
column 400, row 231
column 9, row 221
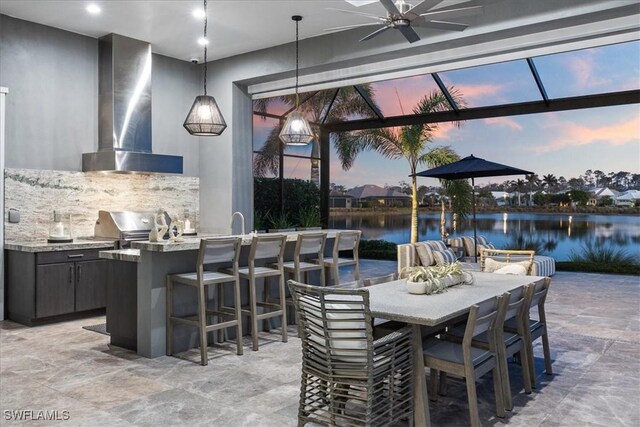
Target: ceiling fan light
column 296, row 130
column 205, row 118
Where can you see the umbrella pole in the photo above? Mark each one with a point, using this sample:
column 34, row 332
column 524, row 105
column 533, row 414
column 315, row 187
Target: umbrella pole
column 475, row 238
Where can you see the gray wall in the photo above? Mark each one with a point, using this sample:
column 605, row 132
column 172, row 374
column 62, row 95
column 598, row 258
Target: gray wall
column 52, row 110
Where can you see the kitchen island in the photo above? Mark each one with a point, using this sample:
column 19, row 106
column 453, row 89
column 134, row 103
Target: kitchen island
column 154, row 262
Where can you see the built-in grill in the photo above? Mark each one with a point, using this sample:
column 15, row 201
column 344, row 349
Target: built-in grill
column 125, row 226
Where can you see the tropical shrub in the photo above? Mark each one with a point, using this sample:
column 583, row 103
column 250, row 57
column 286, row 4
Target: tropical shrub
column 299, row 195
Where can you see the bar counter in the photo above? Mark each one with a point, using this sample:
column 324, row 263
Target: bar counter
column 154, row 262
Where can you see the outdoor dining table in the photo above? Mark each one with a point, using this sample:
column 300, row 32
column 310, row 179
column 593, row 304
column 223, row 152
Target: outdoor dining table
column 392, row 301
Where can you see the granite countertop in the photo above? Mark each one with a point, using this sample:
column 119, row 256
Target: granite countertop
column 43, row 246
column 193, row 243
column 130, row 255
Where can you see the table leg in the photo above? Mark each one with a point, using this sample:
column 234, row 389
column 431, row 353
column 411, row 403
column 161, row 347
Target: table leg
column 421, row 411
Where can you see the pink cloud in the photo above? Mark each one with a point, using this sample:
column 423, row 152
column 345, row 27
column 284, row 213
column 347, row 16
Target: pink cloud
column 475, row 92
column 575, row 135
column 504, row 121
column 583, row 69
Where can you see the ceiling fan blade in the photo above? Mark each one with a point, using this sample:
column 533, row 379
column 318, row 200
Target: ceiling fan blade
column 375, row 33
column 348, row 27
column 390, row 6
column 409, row 34
column 452, row 13
column 355, row 12
column 442, row 25
column 421, row 8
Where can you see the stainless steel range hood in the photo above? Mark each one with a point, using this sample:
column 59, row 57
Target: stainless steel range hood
column 124, row 126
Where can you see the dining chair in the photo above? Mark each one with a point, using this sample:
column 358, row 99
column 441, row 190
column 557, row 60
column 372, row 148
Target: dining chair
column 345, row 241
column 212, row 252
column 265, row 248
column 465, row 360
column 511, row 307
column 534, row 329
column 348, row 377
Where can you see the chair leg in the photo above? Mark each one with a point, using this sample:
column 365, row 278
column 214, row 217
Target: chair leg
column 498, row 389
column 532, row 363
column 202, row 324
column 283, row 307
column 254, row 313
column 219, row 305
column 335, row 272
column 238, row 306
column 356, row 270
column 169, row 310
column 503, row 370
column 443, row 384
column 433, row 379
column 473, row 401
column 547, row 352
column 323, row 277
column 524, row 364
column 266, row 293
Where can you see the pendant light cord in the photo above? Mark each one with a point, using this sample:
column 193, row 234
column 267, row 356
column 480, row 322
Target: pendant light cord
column 205, row 48
column 297, row 64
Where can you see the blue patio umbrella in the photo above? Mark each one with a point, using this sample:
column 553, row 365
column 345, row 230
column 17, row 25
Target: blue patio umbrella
column 472, row 167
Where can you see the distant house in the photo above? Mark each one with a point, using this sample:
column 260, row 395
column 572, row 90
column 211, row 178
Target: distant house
column 338, row 199
column 373, row 195
column 629, row 198
column 502, row 197
column 599, row 193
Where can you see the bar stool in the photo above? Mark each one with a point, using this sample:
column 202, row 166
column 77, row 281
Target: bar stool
column 345, row 241
column 265, row 248
column 308, row 246
column 212, row 251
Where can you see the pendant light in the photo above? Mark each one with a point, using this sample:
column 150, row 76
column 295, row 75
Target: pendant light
column 205, row 118
column 296, row 129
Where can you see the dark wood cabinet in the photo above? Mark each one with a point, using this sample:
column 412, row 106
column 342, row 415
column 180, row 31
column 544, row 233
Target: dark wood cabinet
column 91, row 284
column 43, row 285
column 55, row 290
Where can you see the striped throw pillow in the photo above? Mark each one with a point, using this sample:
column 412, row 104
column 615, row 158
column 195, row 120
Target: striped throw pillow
column 425, row 254
column 444, row 257
column 482, row 240
column 437, row 245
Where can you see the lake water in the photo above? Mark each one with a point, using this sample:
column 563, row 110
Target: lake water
column 557, row 234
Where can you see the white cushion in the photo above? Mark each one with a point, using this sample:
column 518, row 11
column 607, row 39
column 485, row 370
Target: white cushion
column 513, row 268
column 444, row 257
column 491, row 265
column 437, row 245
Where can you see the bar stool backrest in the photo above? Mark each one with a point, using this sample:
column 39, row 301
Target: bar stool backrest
column 347, row 241
column 268, row 247
column 219, row 251
column 310, row 244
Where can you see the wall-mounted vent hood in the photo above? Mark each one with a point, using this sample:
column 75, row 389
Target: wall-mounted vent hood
column 124, row 124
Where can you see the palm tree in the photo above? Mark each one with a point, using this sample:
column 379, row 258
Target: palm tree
column 411, row 143
column 534, row 183
column 348, row 103
column 550, row 181
column 519, row 185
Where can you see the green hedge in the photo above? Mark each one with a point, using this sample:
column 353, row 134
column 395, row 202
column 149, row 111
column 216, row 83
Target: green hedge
column 606, row 268
column 378, row 249
column 299, row 196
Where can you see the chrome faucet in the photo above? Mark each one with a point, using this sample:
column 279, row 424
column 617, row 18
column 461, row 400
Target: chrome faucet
column 233, row 216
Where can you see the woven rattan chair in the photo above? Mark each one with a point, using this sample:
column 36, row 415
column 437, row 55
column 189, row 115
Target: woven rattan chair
column 468, row 361
column 218, row 252
column 348, row 378
column 505, row 256
column 345, row 241
column 534, row 329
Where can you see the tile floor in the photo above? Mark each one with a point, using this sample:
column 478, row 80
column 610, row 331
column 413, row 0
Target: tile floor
column 595, row 339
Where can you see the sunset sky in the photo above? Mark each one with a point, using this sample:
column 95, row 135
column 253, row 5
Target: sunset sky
column 564, row 143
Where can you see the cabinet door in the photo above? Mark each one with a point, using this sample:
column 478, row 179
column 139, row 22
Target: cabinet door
column 91, row 284
column 54, row 289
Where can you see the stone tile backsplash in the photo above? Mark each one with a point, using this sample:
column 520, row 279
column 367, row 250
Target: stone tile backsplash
column 37, row 193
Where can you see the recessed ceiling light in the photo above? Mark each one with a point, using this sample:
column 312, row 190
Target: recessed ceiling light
column 203, row 41
column 198, row 13
column 93, row 9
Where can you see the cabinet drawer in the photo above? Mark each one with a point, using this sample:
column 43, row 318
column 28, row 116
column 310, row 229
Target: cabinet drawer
column 67, row 256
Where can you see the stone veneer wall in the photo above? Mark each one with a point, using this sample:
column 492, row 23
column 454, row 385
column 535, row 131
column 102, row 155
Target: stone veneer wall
column 37, row 193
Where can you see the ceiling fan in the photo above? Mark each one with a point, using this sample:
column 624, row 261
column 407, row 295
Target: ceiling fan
column 403, row 16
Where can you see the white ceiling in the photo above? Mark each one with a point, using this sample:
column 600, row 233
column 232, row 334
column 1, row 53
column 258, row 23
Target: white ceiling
column 241, row 26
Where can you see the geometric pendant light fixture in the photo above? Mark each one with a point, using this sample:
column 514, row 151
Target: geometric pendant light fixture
column 296, row 129
column 205, row 118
